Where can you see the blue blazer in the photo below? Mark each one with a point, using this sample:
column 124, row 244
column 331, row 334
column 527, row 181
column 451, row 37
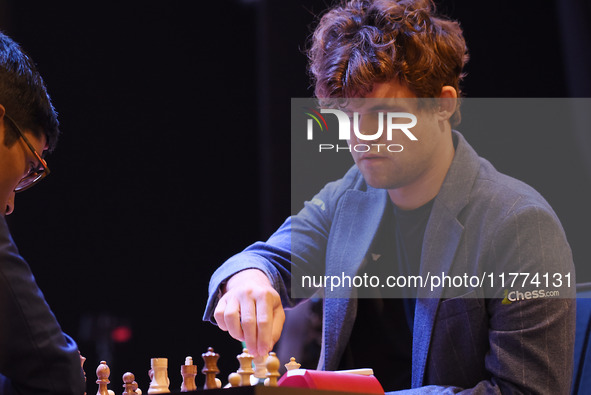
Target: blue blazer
column 463, row 339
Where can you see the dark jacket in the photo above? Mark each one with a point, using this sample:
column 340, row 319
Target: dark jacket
column 36, row 357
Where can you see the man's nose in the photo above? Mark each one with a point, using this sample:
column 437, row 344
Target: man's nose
column 10, row 204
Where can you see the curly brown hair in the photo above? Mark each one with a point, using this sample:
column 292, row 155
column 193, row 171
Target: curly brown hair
column 362, row 42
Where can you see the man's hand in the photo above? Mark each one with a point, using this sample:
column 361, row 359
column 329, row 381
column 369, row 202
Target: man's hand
column 251, row 311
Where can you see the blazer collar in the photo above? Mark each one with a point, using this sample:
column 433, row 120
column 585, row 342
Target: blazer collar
column 444, row 229
column 456, row 189
column 442, row 237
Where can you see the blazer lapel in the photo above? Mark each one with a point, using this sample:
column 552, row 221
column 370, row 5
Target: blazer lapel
column 351, row 236
column 442, row 238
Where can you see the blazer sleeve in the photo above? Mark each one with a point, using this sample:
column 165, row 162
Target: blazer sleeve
column 36, row 357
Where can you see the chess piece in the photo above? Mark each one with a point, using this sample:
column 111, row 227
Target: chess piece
column 102, row 373
column 260, row 370
column 128, row 380
column 159, row 376
column 188, row 371
column 210, row 370
column 272, row 369
column 234, row 380
column 245, row 370
column 135, row 388
column 292, row 364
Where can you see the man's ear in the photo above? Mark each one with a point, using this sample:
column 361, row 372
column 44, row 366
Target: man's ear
column 448, row 101
column 2, row 112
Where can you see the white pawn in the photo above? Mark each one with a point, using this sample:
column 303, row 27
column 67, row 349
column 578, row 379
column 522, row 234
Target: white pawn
column 159, row 376
column 188, row 371
column 234, row 380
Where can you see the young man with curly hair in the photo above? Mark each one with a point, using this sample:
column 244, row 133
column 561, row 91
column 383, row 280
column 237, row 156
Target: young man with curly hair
column 436, row 207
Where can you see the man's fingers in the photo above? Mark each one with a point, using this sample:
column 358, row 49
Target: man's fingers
column 278, row 321
column 232, row 319
column 248, row 320
column 250, row 310
column 218, row 314
column 270, row 322
column 265, row 325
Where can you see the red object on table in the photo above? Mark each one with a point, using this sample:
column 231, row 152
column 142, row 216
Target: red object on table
column 331, row 381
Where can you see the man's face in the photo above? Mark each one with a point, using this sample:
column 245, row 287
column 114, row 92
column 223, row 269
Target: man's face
column 394, row 170
column 15, row 162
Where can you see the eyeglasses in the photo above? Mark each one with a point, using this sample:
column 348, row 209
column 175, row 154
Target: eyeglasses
column 36, row 174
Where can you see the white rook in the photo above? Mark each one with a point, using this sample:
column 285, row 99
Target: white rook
column 159, row 376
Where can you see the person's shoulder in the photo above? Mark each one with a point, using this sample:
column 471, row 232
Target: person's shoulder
column 487, row 188
column 329, row 198
column 494, row 188
column 486, row 197
column 352, row 181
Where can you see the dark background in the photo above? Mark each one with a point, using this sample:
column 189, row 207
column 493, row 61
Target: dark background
column 175, row 150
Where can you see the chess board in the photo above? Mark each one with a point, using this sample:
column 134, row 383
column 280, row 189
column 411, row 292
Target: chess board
column 242, row 382
column 262, row 390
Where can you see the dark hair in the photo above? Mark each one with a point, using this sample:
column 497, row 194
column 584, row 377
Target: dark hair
column 362, row 42
column 23, row 93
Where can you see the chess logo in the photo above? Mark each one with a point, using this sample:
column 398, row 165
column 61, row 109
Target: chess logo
column 506, row 298
column 392, row 120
